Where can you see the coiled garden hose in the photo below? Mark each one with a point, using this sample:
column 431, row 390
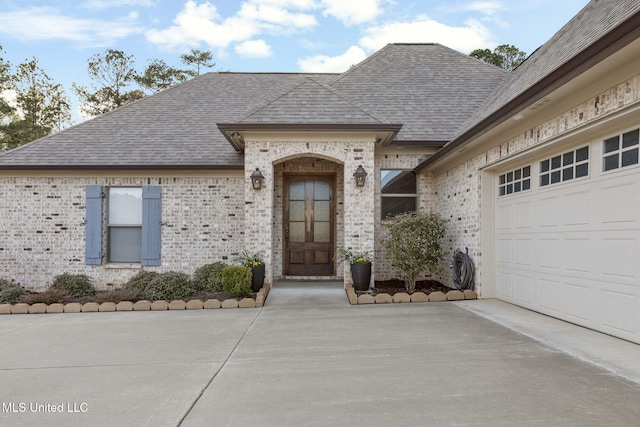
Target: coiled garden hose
column 463, row 270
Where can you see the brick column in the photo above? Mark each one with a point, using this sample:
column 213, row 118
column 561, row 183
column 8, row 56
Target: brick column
column 359, row 202
column 258, row 210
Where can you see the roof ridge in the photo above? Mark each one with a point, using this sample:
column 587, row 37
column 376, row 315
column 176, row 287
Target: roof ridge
column 273, row 100
column 323, row 86
column 330, row 89
column 364, row 61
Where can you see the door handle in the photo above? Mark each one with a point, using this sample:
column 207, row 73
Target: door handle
column 286, row 232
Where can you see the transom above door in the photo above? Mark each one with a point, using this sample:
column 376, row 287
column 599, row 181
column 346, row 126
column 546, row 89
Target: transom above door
column 309, row 225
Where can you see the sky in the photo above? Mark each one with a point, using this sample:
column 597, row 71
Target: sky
column 262, row 35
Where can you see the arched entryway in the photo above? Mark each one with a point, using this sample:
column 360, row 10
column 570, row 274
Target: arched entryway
column 309, row 205
column 309, row 220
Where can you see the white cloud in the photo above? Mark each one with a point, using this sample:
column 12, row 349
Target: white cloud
column 275, row 17
column 485, row 7
column 45, row 23
column 425, row 30
column 490, row 9
column 332, row 64
column 198, row 23
column 254, row 49
column 351, row 12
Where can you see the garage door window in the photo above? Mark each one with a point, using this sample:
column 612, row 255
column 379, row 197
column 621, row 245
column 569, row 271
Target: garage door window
column 565, row 167
column 515, row 181
column 621, row 150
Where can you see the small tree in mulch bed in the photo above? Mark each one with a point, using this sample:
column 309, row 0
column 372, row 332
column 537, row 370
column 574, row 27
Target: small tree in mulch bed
column 413, row 244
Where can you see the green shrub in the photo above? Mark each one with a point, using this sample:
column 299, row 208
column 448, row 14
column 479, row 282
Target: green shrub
column 413, row 243
column 51, row 296
column 116, row 296
column 209, row 277
column 10, row 292
column 140, row 281
column 169, row 286
column 236, row 281
column 76, row 285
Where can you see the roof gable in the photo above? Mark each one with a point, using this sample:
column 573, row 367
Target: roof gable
column 310, row 103
column 429, row 88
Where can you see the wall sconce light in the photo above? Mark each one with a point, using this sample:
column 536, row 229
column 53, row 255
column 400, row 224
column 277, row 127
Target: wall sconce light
column 257, row 179
column 361, row 176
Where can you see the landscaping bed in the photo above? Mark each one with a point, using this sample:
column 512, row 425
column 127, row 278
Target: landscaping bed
column 105, row 301
column 213, row 285
column 394, row 286
column 394, row 291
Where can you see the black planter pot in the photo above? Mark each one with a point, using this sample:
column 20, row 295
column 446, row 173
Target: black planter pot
column 361, row 275
column 257, row 277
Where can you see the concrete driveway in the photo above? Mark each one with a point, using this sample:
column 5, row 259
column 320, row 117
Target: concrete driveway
column 308, row 358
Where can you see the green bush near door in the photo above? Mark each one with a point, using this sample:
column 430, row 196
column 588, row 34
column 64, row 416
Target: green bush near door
column 236, row 281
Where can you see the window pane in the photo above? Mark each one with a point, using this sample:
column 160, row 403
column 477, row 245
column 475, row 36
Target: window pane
column 544, row 180
column 509, row 188
column 321, row 232
column 556, row 162
column 526, row 172
column 125, row 205
column 582, row 154
column 630, row 139
column 296, row 190
column 322, row 210
column 555, row 177
column 611, row 162
column 544, row 166
column 611, row 144
column 396, row 205
column 517, row 187
column 630, row 157
column 398, row 182
column 296, row 210
column 582, row 170
column 296, row 232
column 502, row 179
column 125, row 244
column 567, row 174
column 518, row 174
column 502, row 191
column 526, row 184
column 567, row 159
column 322, row 191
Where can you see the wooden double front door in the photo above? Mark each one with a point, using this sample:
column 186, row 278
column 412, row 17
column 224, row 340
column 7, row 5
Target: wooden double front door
column 309, row 225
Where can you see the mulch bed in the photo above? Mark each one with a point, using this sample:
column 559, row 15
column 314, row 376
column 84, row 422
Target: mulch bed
column 103, row 296
column 394, row 286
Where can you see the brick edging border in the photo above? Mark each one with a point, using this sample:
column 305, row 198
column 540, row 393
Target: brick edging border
column 142, row 305
column 403, row 297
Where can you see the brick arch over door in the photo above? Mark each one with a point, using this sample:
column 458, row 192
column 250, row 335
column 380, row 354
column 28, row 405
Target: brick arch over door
column 273, row 157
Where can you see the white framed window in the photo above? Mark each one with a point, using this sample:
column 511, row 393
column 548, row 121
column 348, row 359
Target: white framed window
column 565, row 167
column 621, row 150
column 124, row 225
column 515, row 181
column 133, row 225
column 398, row 192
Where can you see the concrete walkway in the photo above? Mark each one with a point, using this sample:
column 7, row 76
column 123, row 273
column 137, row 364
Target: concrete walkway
column 309, row 358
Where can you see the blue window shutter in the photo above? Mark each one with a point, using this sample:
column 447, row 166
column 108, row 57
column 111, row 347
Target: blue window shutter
column 93, row 240
column 151, row 224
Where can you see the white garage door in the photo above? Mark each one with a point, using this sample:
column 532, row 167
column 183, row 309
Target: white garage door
column 568, row 235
